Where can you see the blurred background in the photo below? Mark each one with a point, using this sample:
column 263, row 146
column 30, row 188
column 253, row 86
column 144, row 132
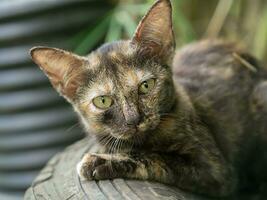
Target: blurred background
column 35, row 123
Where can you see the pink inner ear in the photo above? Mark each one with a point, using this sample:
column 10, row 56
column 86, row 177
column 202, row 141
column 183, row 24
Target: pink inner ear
column 157, row 21
column 154, row 32
column 63, row 69
column 71, row 85
column 68, row 76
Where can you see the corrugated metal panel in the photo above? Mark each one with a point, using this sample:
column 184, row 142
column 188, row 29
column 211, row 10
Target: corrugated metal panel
column 35, row 122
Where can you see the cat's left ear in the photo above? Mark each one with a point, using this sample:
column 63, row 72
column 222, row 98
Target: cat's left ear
column 154, row 35
column 65, row 70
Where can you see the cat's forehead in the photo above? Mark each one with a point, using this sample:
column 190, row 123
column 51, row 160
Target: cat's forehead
column 113, row 53
column 117, row 62
column 115, row 67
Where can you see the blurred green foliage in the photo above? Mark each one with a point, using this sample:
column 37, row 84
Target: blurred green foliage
column 244, row 21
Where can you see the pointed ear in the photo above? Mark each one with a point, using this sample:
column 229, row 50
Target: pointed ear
column 154, row 34
column 64, row 69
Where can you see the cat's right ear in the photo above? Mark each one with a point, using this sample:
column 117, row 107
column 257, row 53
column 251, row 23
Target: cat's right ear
column 154, row 35
column 64, row 69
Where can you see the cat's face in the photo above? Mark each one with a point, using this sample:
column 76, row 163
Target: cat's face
column 125, row 93
column 122, row 88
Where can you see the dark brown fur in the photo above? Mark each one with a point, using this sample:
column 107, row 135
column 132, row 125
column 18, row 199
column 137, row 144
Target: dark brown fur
column 193, row 130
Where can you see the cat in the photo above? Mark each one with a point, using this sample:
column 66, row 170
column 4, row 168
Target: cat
column 184, row 119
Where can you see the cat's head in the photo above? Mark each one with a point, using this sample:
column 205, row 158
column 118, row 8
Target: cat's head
column 122, row 88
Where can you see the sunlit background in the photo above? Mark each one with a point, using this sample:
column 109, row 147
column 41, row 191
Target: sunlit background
column 35, row 122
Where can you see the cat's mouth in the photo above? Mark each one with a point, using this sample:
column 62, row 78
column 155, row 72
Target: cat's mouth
column 149, row 123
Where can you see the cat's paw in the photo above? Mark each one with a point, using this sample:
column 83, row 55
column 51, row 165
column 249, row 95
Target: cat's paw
column 103, row 166
column 87, row 165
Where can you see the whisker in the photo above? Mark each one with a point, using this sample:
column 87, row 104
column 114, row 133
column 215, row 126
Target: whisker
column 72, row 127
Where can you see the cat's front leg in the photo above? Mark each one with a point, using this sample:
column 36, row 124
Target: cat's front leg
column 105, row 166
column 136, row 166
column 207, row 175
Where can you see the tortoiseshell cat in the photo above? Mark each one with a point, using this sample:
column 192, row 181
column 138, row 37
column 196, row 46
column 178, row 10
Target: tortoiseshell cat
column 187, row 125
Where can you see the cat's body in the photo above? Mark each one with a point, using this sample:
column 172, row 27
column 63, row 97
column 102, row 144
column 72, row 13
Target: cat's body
column 228, row 90
column 188, row 130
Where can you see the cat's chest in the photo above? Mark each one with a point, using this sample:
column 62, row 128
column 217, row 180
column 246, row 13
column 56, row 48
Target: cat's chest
column 164, row 141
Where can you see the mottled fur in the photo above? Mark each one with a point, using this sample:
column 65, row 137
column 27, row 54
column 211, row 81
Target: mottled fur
column 191, row 130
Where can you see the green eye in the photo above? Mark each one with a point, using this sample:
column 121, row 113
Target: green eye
column 146, row 86
column 103, row 102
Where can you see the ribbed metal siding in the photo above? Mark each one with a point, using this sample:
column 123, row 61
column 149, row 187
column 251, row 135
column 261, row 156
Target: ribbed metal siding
column 35, row 122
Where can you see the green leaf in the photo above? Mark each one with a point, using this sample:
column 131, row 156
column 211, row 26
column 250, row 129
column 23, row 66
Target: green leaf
column 93, row 36
column 182, row 26
column 115, row 29
column 136, row 9
column 127, row 22
column 260, row 41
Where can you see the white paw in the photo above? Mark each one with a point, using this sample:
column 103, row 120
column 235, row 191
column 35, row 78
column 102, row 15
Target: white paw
column 79, row 168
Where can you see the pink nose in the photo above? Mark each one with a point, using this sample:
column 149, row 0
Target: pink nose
column 131, row 114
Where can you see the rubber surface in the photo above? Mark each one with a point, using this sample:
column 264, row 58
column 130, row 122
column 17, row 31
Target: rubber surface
column 59, row 180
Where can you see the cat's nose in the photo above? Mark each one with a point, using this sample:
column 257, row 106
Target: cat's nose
column 131, row 114
column 133, row 120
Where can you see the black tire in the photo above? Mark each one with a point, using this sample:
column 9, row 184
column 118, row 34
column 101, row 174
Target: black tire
column 59, row 180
